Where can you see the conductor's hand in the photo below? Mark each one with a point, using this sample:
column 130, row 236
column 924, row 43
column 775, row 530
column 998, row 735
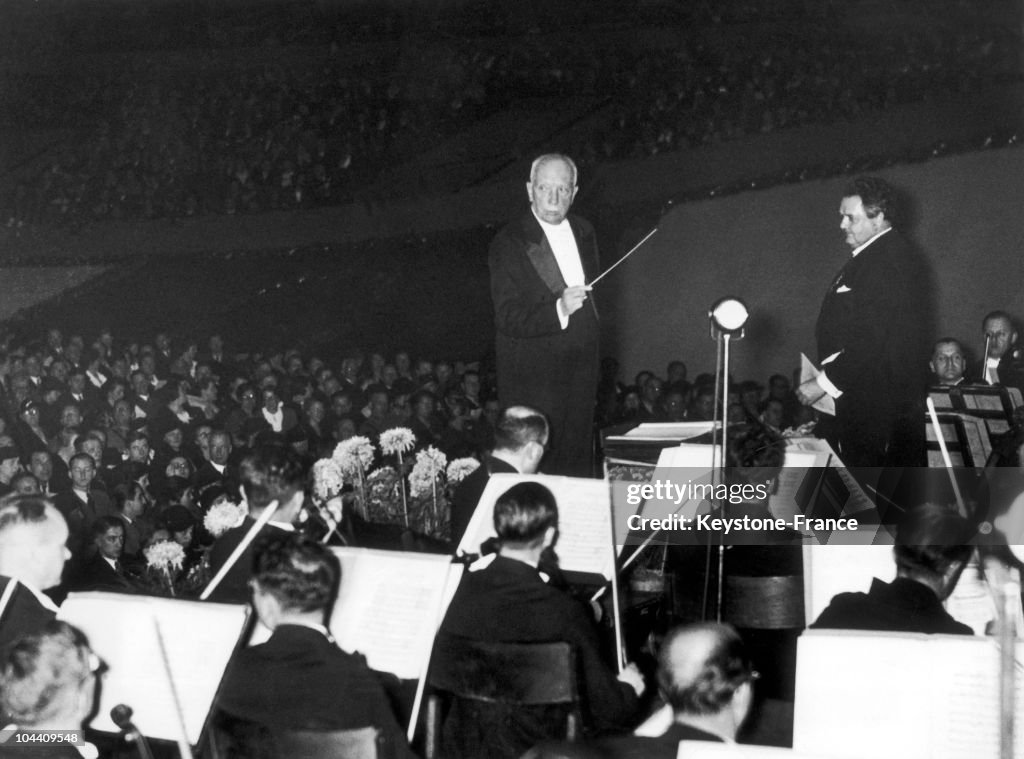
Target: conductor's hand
column 572, row 299
column 809, row 392
column 632, row 677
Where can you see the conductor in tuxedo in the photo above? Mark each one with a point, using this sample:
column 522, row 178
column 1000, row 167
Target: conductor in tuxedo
column 870, row 334
column 546, row 321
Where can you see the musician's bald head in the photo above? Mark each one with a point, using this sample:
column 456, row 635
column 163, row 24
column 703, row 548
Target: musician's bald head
column 705, row 674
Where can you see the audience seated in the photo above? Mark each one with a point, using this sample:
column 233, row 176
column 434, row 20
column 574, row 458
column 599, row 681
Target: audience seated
column 314, row 125
column 104, row 569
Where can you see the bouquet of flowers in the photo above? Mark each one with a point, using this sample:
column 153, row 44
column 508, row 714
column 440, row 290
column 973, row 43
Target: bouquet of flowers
column 397, row 442
column 164, row 560
column 383, row 495
column 354, row 457
column 460, row 469
column 224, row 516
column 327, row 479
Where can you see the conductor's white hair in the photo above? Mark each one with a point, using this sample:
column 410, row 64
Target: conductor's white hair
column 547, row 158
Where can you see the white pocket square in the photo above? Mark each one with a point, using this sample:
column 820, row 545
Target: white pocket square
column 843, row 289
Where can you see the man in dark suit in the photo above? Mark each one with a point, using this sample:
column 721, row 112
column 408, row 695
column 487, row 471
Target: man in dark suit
column 33, row 535
column 299, row 679
column 1003, row 365
column 509, row 602
column 271, row 477
column 705, row 675
column 82, row 504
column 215, row 469
column 519, row 440
column 104, row 570
column 547, row 330
column 870, row 337
column 932, row 548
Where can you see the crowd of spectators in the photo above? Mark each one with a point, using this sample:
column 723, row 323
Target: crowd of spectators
column 228, row 133
column 165, row 424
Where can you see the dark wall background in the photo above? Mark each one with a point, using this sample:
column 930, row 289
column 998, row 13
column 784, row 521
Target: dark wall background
column 779, row 249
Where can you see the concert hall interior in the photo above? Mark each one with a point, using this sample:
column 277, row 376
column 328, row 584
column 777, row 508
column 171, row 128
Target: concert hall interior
column 499, row 378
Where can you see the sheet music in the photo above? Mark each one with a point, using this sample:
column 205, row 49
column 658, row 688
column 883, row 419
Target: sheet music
column 971, row 683
column 711, row 750
column 585, row 542
column 977, row 440
column 997, row 426
column 858, row 500
column 833, row 569
column 670, row 430
column 983, row 402
column 862, row 695
column 808, row 371
column 796, row 466
column 971, row 601
column 199, row 638
column 390, row 605
column 680, row 465
column 900, row 695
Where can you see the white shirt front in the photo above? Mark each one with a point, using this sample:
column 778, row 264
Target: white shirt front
column 274, row 420
column 567, row 256
column 992, row 371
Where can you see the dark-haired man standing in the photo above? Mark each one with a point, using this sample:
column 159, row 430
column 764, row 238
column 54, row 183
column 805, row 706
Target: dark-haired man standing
column 870, row 340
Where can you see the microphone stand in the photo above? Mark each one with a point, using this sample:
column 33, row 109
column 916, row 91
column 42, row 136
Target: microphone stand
column 122, row 717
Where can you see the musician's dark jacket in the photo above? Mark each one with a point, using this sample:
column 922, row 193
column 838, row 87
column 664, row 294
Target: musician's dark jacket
column 510, row 602
column 234, row 587
column 23, row 615
column 903, row 605
column 301, row 680
column 467, row 494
